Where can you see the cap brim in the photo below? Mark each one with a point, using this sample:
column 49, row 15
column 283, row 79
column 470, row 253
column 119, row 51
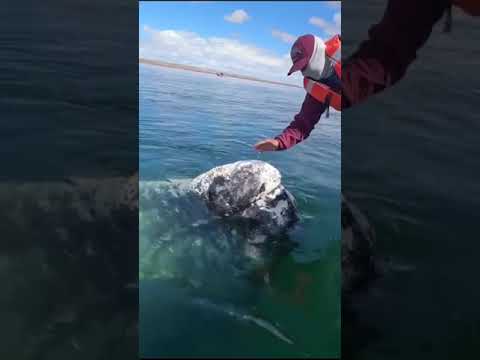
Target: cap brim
column 299, row 65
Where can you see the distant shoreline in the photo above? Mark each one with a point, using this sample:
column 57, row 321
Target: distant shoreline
column 210, row 71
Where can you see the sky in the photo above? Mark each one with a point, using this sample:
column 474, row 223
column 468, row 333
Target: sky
column 248, row 38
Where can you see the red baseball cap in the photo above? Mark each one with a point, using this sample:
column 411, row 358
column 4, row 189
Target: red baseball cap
column 301, row 52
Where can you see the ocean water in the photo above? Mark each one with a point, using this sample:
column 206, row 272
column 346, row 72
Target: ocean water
column 67, row 114
column 410, row 162
column 202, row 291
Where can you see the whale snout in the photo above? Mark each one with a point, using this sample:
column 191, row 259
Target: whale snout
column 248, row 190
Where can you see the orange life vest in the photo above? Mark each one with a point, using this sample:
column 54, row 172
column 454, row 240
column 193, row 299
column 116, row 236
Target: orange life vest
column 322, row 92
column 333, row 47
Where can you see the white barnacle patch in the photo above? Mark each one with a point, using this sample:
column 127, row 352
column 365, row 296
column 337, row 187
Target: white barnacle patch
column 266, row 177
column 247, row 189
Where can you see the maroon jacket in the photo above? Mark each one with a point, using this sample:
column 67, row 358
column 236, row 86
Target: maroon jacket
column 379, row 62
column 304, row 122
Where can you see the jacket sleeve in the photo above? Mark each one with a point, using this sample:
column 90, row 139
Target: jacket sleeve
column 303, row 123
column 391, row 47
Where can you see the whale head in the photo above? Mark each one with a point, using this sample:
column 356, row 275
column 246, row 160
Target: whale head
column 248, row 190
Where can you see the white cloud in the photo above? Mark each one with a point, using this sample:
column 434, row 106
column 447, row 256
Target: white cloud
column 222, row 54
column 285, row 37
column 237, row 17
column 333, row 4
column 337, row 19
column 329, row 27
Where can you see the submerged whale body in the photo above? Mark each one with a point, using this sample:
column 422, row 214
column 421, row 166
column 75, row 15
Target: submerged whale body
column 229, row 220
column 248, row 190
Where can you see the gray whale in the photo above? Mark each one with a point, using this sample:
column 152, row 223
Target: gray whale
column 250, row 190
column 230, row 220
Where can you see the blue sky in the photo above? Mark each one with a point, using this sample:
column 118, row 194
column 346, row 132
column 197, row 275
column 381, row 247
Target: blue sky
column 252, row 38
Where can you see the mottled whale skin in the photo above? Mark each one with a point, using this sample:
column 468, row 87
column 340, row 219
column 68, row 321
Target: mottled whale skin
column 250, row 190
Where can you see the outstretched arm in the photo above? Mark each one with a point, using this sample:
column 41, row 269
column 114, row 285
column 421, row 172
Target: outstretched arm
column 303, row 123
column 391, row 47
column 299, row 129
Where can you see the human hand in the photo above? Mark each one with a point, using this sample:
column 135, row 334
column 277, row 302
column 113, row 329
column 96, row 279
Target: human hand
column 267, row 145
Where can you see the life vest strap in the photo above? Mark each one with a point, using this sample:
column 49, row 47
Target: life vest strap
column 323, row 93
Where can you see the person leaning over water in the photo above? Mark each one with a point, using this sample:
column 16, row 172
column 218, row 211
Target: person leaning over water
column 319, row 63
column 379, row 63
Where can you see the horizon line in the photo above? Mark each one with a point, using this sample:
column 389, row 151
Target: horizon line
column 210, row 71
